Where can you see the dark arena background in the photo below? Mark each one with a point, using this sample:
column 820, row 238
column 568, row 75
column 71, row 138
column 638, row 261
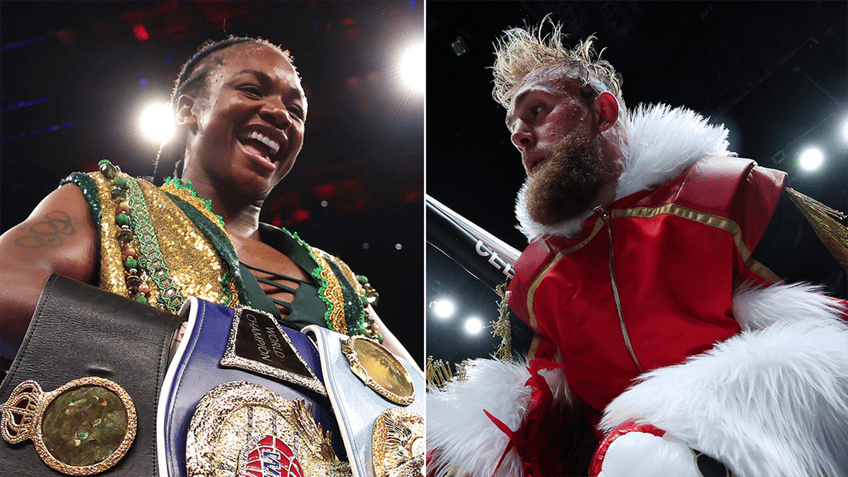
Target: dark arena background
column 76, row 77
column 773, row 72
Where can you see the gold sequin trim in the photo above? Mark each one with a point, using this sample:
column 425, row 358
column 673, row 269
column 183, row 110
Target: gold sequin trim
column 189, row 255
column 333, row 293
column 348, row 273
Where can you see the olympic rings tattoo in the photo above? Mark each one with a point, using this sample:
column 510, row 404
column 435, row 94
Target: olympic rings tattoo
column 49, row 232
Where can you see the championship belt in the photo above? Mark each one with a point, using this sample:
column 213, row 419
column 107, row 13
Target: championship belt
column 80, row 397
column 379, row 401
column 244, row 397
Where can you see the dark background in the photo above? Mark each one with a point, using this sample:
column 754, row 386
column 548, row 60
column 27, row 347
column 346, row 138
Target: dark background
column 773, row 72
column 76, row 75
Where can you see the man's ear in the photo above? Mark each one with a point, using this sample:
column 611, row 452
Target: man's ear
column 187, row 109
column 606, row 107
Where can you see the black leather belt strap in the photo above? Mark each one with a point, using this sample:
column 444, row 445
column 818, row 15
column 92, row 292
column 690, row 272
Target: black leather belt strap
column 79, row 331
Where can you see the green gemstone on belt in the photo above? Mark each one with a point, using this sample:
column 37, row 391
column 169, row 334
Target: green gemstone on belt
column 125, row 236
column 120, row 182
column 107, row 169
column 84, row 426
column 122, row 219
column 131, row 263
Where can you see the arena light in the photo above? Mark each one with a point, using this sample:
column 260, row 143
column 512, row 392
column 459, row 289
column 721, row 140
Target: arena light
column 157, row 122
column 473, row 326
column 412, row 67
column 843, row 130
column 811, row 159
column 442, row 308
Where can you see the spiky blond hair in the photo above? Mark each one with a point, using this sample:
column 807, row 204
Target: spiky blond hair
column 520, row 51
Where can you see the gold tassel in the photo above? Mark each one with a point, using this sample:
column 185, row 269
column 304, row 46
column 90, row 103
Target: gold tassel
column 439, row 372
column 502, row 328
column 825, row 222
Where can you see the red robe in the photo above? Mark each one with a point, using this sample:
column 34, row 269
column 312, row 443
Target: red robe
column 678, row 251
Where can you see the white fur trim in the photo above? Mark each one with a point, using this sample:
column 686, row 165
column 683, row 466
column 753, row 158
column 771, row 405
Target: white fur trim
column 464, row 439
column 639, row 454
column 755, row 308
column 771, row 401
column 662, row 142
column 665, row 141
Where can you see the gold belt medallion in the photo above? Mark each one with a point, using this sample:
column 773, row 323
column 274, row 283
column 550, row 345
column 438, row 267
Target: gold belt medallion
column 398, row 444
column 82, row 428
column 378, row 368
column 246, row 430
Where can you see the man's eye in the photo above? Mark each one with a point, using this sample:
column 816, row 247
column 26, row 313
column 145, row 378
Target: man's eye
column 535, row 110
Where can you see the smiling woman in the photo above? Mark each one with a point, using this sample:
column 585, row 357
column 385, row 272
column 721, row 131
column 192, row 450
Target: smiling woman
column 244, row 128
column 194, row 242
column 240, row 112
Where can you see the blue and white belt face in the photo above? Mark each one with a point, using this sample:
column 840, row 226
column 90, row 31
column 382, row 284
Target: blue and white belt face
column 245, row 397
column 379, row 402
column 242, row 394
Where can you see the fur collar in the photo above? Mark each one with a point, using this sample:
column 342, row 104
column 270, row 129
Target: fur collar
column 663, row 141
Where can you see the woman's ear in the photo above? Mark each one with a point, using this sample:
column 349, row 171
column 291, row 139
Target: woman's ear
column 607, row 108
column 187, row 109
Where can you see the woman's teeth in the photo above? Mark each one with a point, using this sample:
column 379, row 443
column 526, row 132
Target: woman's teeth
column 273, row 146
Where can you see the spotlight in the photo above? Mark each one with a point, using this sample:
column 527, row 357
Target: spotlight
column 473, row 326
column 811, row 159
column 442, row 308
column 157, row 123
column 844, row 130
column 412, row 67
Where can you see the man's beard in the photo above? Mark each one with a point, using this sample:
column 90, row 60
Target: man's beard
column 565, row 186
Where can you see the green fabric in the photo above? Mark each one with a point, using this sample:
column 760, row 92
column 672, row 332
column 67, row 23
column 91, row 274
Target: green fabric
column 89, row 191
column 260, row 300
column 307, row 308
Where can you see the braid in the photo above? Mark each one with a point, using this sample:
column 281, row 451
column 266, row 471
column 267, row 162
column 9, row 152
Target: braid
column 192, row 80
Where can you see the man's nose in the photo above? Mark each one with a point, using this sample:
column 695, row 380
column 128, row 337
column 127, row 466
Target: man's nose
column 522, row 137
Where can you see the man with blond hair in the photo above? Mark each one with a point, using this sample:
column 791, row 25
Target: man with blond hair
column 679, row 295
